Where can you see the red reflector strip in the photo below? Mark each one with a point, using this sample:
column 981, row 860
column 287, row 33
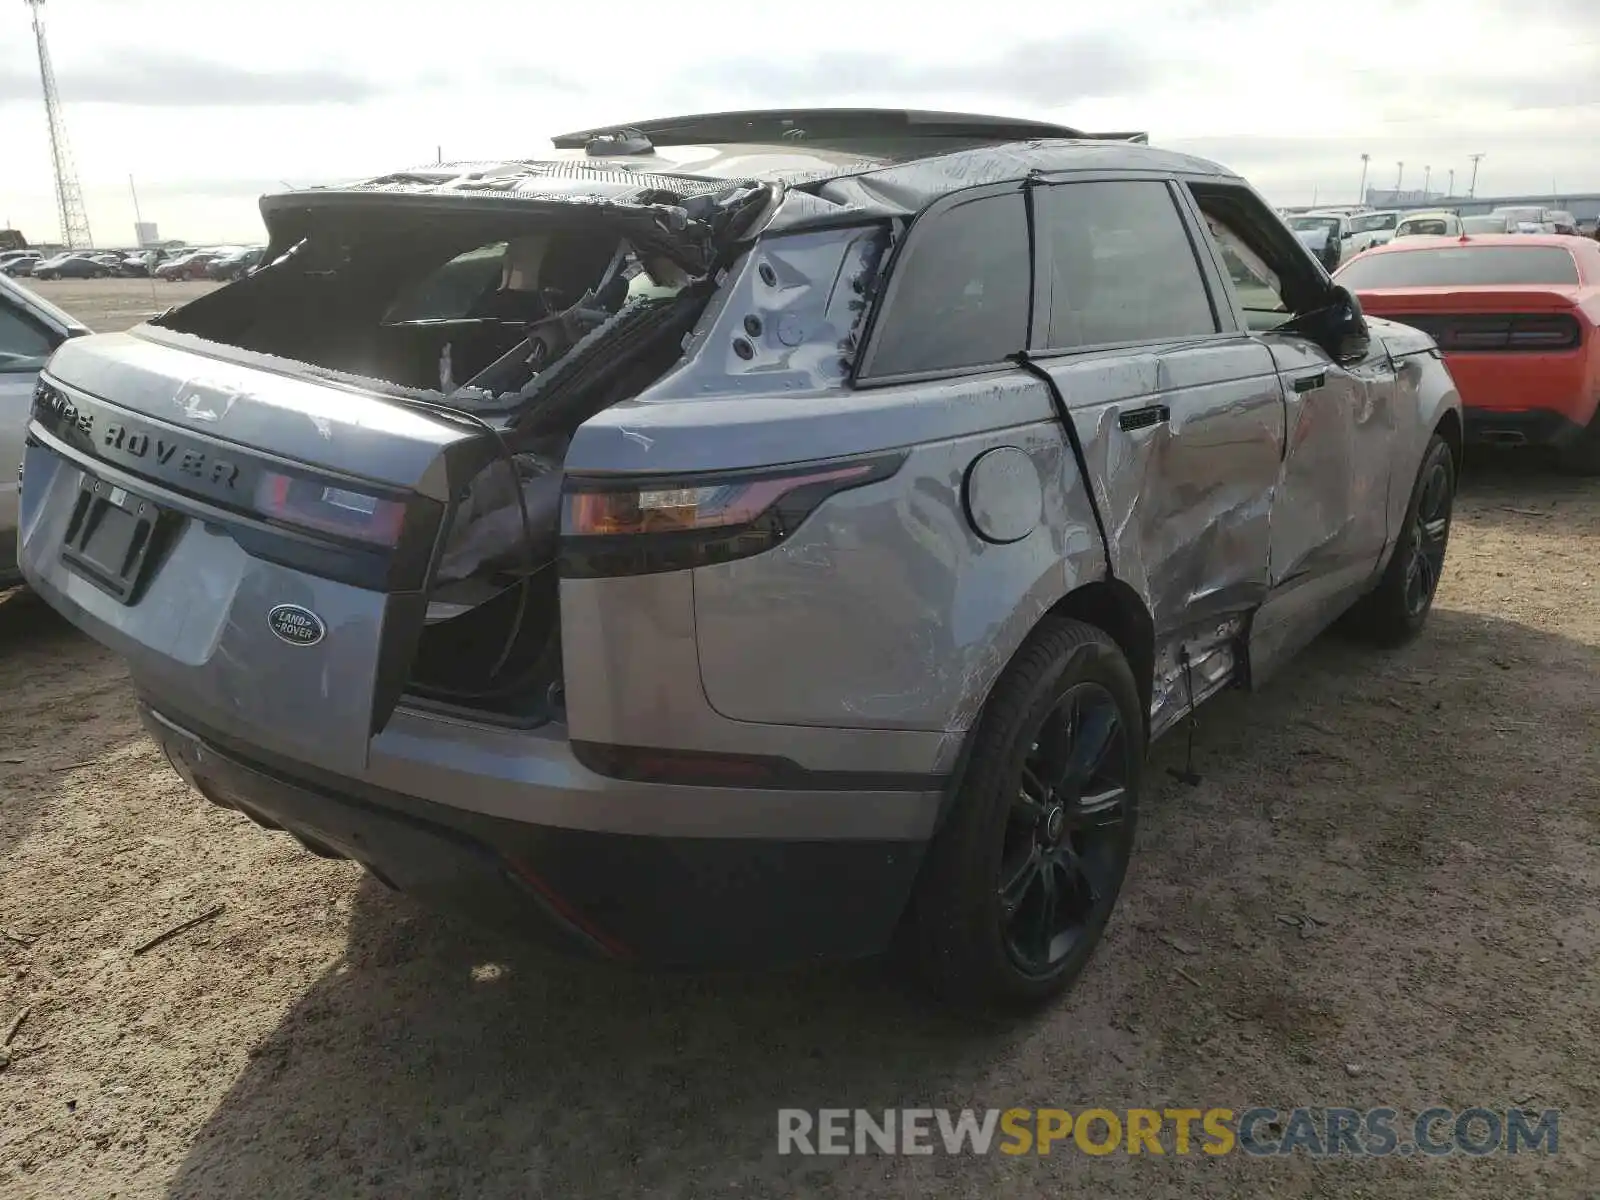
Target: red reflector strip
column 567, row 912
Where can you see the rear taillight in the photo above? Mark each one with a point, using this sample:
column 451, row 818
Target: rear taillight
column 1488, row 333
column 318, row 505
column 1557, row 332
column 638, row 526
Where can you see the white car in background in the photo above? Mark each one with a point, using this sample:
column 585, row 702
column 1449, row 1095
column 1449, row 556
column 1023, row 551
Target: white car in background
column 1428, row 224
column 1370, row 229
column 1488, row 223
column 30, row 330
column 1535, row 218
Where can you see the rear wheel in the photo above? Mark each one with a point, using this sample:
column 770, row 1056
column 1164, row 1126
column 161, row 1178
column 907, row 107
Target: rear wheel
column 1022, row 878
column 1582, row 455
column 1396, row 610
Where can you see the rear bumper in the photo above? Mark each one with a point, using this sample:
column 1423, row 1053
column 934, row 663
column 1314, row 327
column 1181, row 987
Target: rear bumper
column 672, row 901
column 1542, row 397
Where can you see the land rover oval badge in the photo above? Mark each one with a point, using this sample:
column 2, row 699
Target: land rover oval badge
column 296, row 625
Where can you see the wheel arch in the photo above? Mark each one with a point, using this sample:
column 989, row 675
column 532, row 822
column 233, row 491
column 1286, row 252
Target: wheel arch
column 1110, row 605
column 1114, row 607
column 1449, row 428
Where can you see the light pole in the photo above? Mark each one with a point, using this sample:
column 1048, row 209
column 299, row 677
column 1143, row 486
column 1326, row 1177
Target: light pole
column 1452, row 189
column 1398, row 176
column 1472, row 188
column 1361, row 196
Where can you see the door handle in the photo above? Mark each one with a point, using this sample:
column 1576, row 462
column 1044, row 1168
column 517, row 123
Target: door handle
column 1310, row 383
column 1143, row 418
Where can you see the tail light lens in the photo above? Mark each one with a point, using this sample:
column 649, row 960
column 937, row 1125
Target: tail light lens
column 1558, row 332
column 639, row 526
column 1511, row 331
column 318, row 505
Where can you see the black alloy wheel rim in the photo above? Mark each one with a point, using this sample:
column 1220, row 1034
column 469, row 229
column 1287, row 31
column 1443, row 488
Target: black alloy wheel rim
column 1065, row 830
column 1430, row 530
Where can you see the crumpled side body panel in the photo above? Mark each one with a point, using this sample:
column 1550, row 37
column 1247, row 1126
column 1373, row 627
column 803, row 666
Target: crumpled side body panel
column 1183, row 445
column 887, row 609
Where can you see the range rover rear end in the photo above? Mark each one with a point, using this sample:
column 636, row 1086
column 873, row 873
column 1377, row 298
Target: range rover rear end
column 382, row 581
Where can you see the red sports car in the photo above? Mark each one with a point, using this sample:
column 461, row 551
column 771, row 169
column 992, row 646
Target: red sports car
column 191, row 265
column 1516, row 316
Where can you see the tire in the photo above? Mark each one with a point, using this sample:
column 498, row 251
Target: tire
column 1395, row 611
column 1023, row 875
column 1581, row 456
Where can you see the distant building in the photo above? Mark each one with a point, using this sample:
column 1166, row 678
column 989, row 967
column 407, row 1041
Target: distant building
column 1410, row 198
column 12, row 239
column 1585, row 206
column 145, row 234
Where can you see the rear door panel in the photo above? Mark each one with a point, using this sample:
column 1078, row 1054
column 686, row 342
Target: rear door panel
column 1183, row 444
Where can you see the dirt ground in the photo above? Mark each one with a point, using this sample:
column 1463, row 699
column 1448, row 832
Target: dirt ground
column 107, row 305
column 1434, row 809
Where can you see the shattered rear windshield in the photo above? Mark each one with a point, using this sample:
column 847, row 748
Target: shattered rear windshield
column 1462, row 266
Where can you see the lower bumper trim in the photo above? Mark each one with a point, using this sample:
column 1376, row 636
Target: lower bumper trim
column 1527, row 427
column 668, row 901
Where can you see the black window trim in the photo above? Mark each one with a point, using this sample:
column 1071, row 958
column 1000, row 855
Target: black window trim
column 923, row 228
column 1266, row 230
column 1221, row 316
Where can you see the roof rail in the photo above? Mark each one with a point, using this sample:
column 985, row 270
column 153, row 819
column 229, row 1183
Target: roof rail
column 825, row 124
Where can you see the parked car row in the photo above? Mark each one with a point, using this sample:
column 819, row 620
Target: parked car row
column 66, row 265
column 1336, row 235
column 223, row 263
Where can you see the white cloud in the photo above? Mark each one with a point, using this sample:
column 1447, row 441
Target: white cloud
column 209, row 105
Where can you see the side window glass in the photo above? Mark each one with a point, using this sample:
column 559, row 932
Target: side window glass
column 21, row 337
column 1257, row 285
column 1121, row 266
column 960, row 299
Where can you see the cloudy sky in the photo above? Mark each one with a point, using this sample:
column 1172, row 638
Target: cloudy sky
column 209, row 105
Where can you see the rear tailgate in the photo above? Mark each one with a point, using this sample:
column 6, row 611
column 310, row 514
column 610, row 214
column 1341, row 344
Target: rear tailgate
column 255, row 545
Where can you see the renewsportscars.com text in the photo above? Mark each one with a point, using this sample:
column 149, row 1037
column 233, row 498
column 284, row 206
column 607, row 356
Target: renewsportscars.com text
column 1261, row 1132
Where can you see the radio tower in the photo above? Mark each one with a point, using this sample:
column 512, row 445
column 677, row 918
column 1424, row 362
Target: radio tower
column 69, row 197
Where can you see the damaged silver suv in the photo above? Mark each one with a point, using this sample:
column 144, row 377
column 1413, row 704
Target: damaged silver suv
column 742, row 538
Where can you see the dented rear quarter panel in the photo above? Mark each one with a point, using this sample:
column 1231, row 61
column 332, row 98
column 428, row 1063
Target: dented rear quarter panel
column 885, row 609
